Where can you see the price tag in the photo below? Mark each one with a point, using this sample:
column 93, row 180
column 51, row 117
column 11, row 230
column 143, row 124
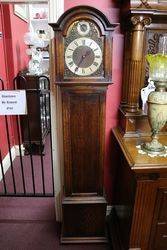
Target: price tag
column 13, row 102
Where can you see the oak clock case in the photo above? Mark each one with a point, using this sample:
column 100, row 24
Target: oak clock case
column 82, row 64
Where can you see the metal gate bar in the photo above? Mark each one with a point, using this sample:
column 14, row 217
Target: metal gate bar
column 3, row 176
column 47, row 120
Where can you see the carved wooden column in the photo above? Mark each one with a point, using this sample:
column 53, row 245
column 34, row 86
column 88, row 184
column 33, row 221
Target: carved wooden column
column 131, row 116
column 135, row 81
column 127, row 56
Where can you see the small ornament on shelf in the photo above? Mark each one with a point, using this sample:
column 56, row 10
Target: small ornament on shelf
column 37, row 16
column 34, row 65
column 42, row 34
column 36, row 47
column 41, row 14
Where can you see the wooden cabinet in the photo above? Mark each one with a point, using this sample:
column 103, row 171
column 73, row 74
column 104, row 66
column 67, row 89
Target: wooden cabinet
column 36, row 125
column 139, row 216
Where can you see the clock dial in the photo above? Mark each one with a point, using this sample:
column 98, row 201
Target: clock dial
column 83, row 56
column 83, row 28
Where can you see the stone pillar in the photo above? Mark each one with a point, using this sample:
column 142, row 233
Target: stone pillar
column 135, row 80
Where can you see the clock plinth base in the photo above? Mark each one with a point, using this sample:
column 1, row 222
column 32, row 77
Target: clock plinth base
column 83, row 220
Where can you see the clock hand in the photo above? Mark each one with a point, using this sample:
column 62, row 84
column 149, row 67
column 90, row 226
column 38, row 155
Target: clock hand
column 82, row 58
column 79, row 63
column 83, row 27
column 87, row 53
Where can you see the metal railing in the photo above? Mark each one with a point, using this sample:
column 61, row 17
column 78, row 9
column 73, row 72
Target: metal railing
column 29, row 173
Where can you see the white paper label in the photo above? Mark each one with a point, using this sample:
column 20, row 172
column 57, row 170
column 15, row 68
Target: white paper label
column 13, row 102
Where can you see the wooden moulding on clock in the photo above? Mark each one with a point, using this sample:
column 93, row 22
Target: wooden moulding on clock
column 106, row 30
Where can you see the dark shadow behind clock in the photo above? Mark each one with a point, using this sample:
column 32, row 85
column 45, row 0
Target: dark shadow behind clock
column 82, row 106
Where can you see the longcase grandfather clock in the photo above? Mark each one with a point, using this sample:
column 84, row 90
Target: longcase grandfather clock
column 83, row 56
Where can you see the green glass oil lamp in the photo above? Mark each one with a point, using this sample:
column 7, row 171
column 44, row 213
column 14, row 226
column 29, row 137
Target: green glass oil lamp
column 157, row 100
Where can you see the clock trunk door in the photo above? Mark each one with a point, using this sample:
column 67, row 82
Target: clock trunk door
column 83, row 111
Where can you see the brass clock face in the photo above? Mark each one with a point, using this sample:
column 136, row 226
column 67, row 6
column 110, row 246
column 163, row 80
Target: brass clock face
column 83, row 50
column 83, row 56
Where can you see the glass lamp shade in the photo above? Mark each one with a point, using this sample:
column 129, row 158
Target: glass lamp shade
column 158, row 67
column 158, row 62
column 32, row 39
column 29, row 38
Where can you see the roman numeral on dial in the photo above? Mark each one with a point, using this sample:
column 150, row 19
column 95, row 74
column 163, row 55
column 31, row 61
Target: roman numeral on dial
column 95, row 64
column 71, row 64
column 83, row 42
column 76, row 43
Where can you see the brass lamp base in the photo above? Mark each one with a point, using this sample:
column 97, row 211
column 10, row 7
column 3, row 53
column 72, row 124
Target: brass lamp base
column 157, row 114
column 153, row 147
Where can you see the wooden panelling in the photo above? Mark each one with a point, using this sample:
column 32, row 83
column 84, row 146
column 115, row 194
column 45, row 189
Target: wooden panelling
column 84, row 219
column 158, row 239
column 143, row 214
column 163, row 208
column 83, row 111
